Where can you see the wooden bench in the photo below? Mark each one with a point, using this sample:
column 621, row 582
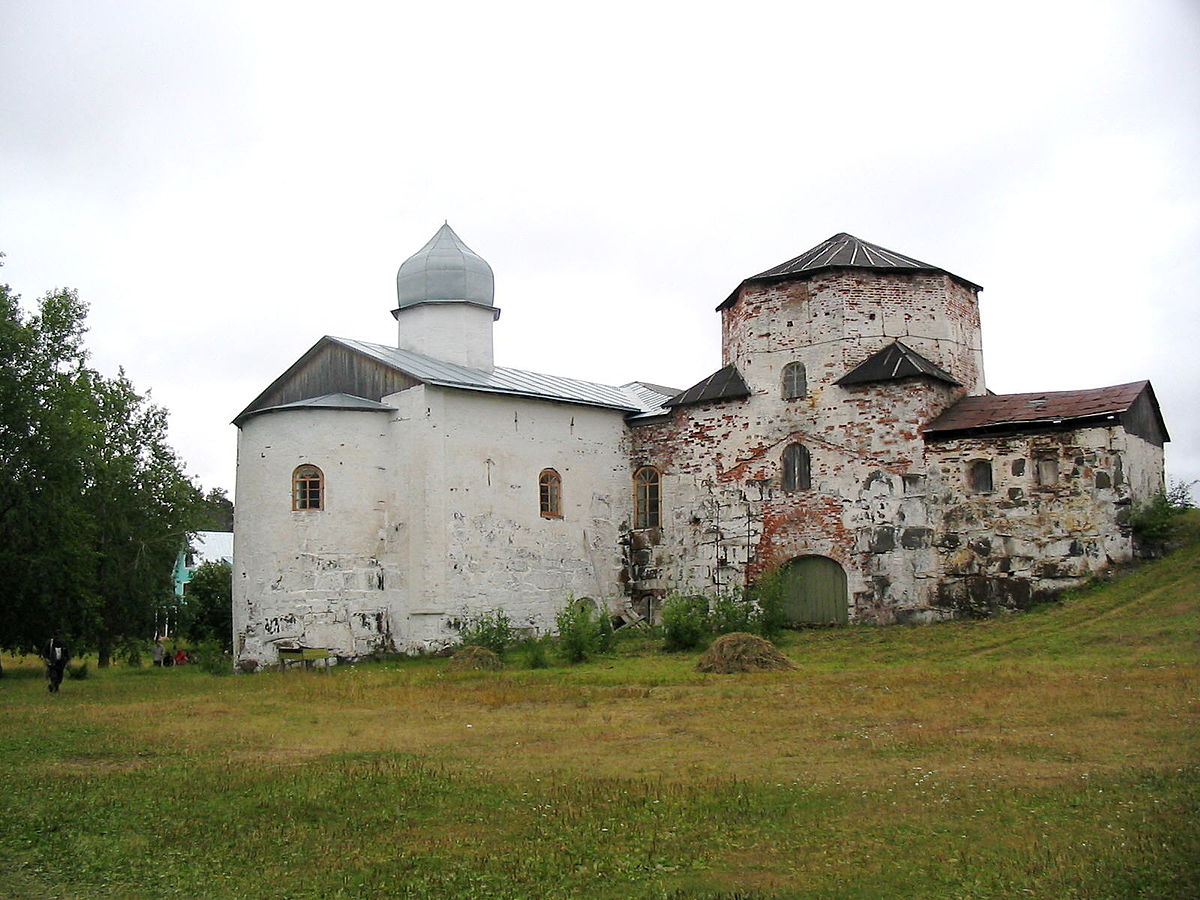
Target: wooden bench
column 304, row 655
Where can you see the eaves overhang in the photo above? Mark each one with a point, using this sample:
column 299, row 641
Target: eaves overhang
column 494, row 310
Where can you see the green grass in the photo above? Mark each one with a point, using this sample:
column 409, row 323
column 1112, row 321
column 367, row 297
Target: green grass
column 1051, row 754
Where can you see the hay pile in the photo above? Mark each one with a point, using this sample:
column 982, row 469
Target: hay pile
column 742, row 652
column 474, row 659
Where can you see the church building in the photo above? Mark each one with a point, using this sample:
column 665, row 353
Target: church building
column 848, row 441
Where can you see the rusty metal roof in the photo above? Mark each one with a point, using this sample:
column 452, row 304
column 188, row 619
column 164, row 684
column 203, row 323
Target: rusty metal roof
column 1048, row 408
column 844, row 251
column 724, row 384
column 895, row 361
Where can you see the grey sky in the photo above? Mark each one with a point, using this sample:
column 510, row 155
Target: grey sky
column 226, row 182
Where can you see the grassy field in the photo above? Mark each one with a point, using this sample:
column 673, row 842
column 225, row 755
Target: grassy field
column 1053, row 754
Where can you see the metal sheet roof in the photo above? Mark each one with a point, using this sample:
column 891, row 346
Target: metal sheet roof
column 843, row 251
column 896, row 360
column 724, row 384
column 1047, row 408
column 630, row 398
column 331, row 401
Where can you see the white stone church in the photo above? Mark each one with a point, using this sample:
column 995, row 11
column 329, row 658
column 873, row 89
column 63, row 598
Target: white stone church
column 386, row 493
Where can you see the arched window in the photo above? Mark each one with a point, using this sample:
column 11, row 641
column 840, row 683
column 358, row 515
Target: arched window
column 797, row 468
column 550, row 494
column 795, row 385
column 308, row 488
column 979, row 476
column 646, row 498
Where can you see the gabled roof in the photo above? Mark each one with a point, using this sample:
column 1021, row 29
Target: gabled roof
column 724, row 384
column 895, row 361
column 842, row 251
column 635, row 398
column 1133, row 405
column 499, row 380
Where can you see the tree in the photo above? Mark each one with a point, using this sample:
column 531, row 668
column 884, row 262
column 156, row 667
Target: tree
column 207, row 613
column 143, row 505
column 93, row 502
column 45, row 549
column 218, row 511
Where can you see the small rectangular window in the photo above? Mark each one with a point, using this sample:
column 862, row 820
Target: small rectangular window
column 979, row 476
column 1047, row 470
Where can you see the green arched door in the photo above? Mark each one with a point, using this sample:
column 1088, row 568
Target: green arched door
column 814, row 590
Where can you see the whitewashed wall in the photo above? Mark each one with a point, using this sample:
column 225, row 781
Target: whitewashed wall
column 431, row 515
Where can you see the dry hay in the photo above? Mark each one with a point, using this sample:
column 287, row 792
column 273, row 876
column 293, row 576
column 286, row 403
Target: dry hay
column 474, row 659
column 742, row 652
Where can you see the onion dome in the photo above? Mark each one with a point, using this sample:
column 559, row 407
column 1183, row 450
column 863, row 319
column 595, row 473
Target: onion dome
column 445, row 270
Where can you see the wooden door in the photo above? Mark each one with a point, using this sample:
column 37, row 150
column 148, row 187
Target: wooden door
column 815, row 592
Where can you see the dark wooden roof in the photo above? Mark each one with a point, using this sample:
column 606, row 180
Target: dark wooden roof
column 1132, row 405
column 893, row 362
column 724, row 384
column 843, row 251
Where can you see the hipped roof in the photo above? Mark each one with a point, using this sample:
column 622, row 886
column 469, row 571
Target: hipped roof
column 842, row 251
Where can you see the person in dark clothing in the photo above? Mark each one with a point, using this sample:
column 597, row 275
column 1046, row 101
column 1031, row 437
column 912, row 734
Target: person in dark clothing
column 56, row 655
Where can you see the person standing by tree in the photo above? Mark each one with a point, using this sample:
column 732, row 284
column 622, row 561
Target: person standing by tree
column 56, row 655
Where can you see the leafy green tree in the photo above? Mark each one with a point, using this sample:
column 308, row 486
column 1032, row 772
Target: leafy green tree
column 143, row 508
column 46, row 554
column 93, row 503
column 218, row 515
column 207, row 614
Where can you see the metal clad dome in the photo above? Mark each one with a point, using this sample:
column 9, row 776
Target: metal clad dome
column 445, row 270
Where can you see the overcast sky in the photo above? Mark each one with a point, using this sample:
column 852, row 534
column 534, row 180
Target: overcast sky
column 225, row 182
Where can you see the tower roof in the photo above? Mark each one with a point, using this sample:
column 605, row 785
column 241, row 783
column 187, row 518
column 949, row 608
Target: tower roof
column 445, row 270
column 844, row 251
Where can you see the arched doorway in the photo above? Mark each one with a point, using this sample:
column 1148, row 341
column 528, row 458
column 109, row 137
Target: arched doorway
column 814, row 591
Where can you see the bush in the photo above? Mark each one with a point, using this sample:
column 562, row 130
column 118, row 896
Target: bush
column 768, row 596
column 685, row 622
column 212, row 657
column 1155, row 522
column 492, row 630
column 77, row 672
column 578, row 632
column 733, row 612
column 606, row 637
column 535, row 654
column 131, row 653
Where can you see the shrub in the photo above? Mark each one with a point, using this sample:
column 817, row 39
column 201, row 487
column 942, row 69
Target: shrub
column 535, row 654
column 131, row 653
column 732, row 612
column 78, row 672
column 212, row 657
column 578, row 632
column 606, row 637
column 685, row 622
column 1155, row 522
column 492, row 630
column 768, row 596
